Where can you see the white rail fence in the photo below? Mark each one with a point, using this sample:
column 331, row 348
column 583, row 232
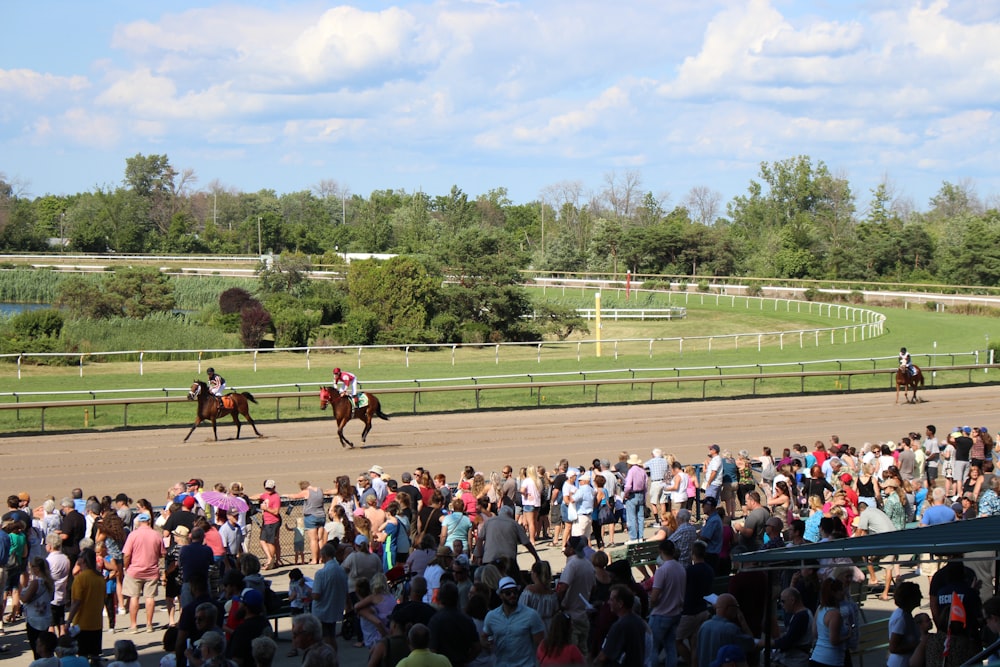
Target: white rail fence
column 863, row 325
column 479, row 385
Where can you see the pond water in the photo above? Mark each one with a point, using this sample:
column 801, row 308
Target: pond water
column 9, row 309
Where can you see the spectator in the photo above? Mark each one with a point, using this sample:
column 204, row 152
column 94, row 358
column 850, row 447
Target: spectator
column 574, row 589
column 87, row 608
column 635, row 498
column 452, row 632
column 666, row 600
column 307, row 636
column 625, row 644
column 329, row 595
column 727, row 626
column 512, row 632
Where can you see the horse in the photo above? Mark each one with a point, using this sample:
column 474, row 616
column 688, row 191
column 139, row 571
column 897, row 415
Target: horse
column 343, row 412
column 907, row 381
column 234, row 404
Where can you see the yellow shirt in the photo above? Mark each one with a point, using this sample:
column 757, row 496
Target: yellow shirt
column 89, row 589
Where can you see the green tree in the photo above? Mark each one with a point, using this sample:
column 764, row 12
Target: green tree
column 399, row 292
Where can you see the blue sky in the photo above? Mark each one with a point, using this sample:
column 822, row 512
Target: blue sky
column 483, row 94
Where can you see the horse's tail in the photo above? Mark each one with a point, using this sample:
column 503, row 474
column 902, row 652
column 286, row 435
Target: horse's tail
column 247, row 395
column 380, row 414
column 920, row 378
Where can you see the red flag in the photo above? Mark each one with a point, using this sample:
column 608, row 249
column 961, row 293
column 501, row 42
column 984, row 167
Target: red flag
column 957, row 610
column 957, row 615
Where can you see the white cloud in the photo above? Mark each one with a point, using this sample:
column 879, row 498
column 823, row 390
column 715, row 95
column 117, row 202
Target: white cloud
column 36, row 86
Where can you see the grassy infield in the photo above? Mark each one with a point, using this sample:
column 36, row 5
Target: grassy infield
column 916, row 328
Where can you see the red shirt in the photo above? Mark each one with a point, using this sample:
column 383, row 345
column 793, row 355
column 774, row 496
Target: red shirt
column 272, row 501
column 214, row 540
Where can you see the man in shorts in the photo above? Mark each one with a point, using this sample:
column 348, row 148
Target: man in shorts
column 270, row 539
column 143, row 550
column 657, row 468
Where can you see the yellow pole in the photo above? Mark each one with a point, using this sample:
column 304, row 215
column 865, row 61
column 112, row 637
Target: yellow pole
column 597, row 320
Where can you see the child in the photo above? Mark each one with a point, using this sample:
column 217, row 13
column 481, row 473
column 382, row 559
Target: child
column 299, row 596
column 109, row 568
column 232, row 586
column 299, row 591
column 299, row 540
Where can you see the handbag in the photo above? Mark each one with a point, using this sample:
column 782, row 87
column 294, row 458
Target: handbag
column 605, row 515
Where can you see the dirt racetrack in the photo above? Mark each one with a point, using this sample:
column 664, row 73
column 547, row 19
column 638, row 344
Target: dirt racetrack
column 144, row 463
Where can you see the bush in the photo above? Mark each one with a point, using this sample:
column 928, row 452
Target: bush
column 37, row 324
column 295, row 328
column 233, row 299
column 361, row 327
column 255, row 321
column 754, row 289
column 448, row 328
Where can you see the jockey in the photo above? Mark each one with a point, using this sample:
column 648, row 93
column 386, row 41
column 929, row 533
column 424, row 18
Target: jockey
column 905, row 362
column 216, row 384
column 346, row 383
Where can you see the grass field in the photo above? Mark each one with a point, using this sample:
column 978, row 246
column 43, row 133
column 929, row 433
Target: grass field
column 923, row 332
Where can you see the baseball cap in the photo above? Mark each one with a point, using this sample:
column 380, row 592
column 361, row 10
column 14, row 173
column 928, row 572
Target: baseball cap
column 252, row 598
column 122, row 498
column 845, row 478
column 506, row 583
column 728, row 653
column 24, row 496
column 709, row 500
column 182, row 531
column 360, row 539
column 967, row 430
column 188, row 502
column 585, row 475
column 572, row 472
column 143, row 516
column 193, row 482
column 714, row 448
column 270, row 484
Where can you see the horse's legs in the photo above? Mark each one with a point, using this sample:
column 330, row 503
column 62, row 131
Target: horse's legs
column 214, row 431
column 236, row 420
column 197, row 421
column 246, row 413
column 368, row 426
column 344, row 442
column 897, row 392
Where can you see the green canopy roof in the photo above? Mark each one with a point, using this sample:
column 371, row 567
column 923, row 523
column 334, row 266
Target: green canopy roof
column 958, row 537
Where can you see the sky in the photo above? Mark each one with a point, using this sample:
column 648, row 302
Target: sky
column 485, row 94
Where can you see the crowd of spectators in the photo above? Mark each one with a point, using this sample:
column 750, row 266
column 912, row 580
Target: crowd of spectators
column 419, row 569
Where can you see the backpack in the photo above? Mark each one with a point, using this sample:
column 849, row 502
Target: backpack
column 272, row 602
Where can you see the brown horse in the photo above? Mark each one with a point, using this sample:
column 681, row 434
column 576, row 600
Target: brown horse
column 232, row 404
column 343, row 412
column 907, row 381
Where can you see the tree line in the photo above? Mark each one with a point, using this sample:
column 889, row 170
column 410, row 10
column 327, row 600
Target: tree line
column 795, row 220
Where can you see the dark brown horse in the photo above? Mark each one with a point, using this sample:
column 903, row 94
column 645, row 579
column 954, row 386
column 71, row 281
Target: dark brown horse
column 234, row 404
column 343, row 412
column 907, row 382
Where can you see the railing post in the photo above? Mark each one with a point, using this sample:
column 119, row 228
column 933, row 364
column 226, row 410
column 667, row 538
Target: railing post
column 255, row 361
column 453, row 347
column 166, row 404
column 407, row 353
column 539, row 353
column 93, row 397
column 140, row 362
column 497, row 357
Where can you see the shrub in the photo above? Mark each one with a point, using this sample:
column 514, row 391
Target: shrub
column 233, row 299
column 255, row 321
column 361, row 327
